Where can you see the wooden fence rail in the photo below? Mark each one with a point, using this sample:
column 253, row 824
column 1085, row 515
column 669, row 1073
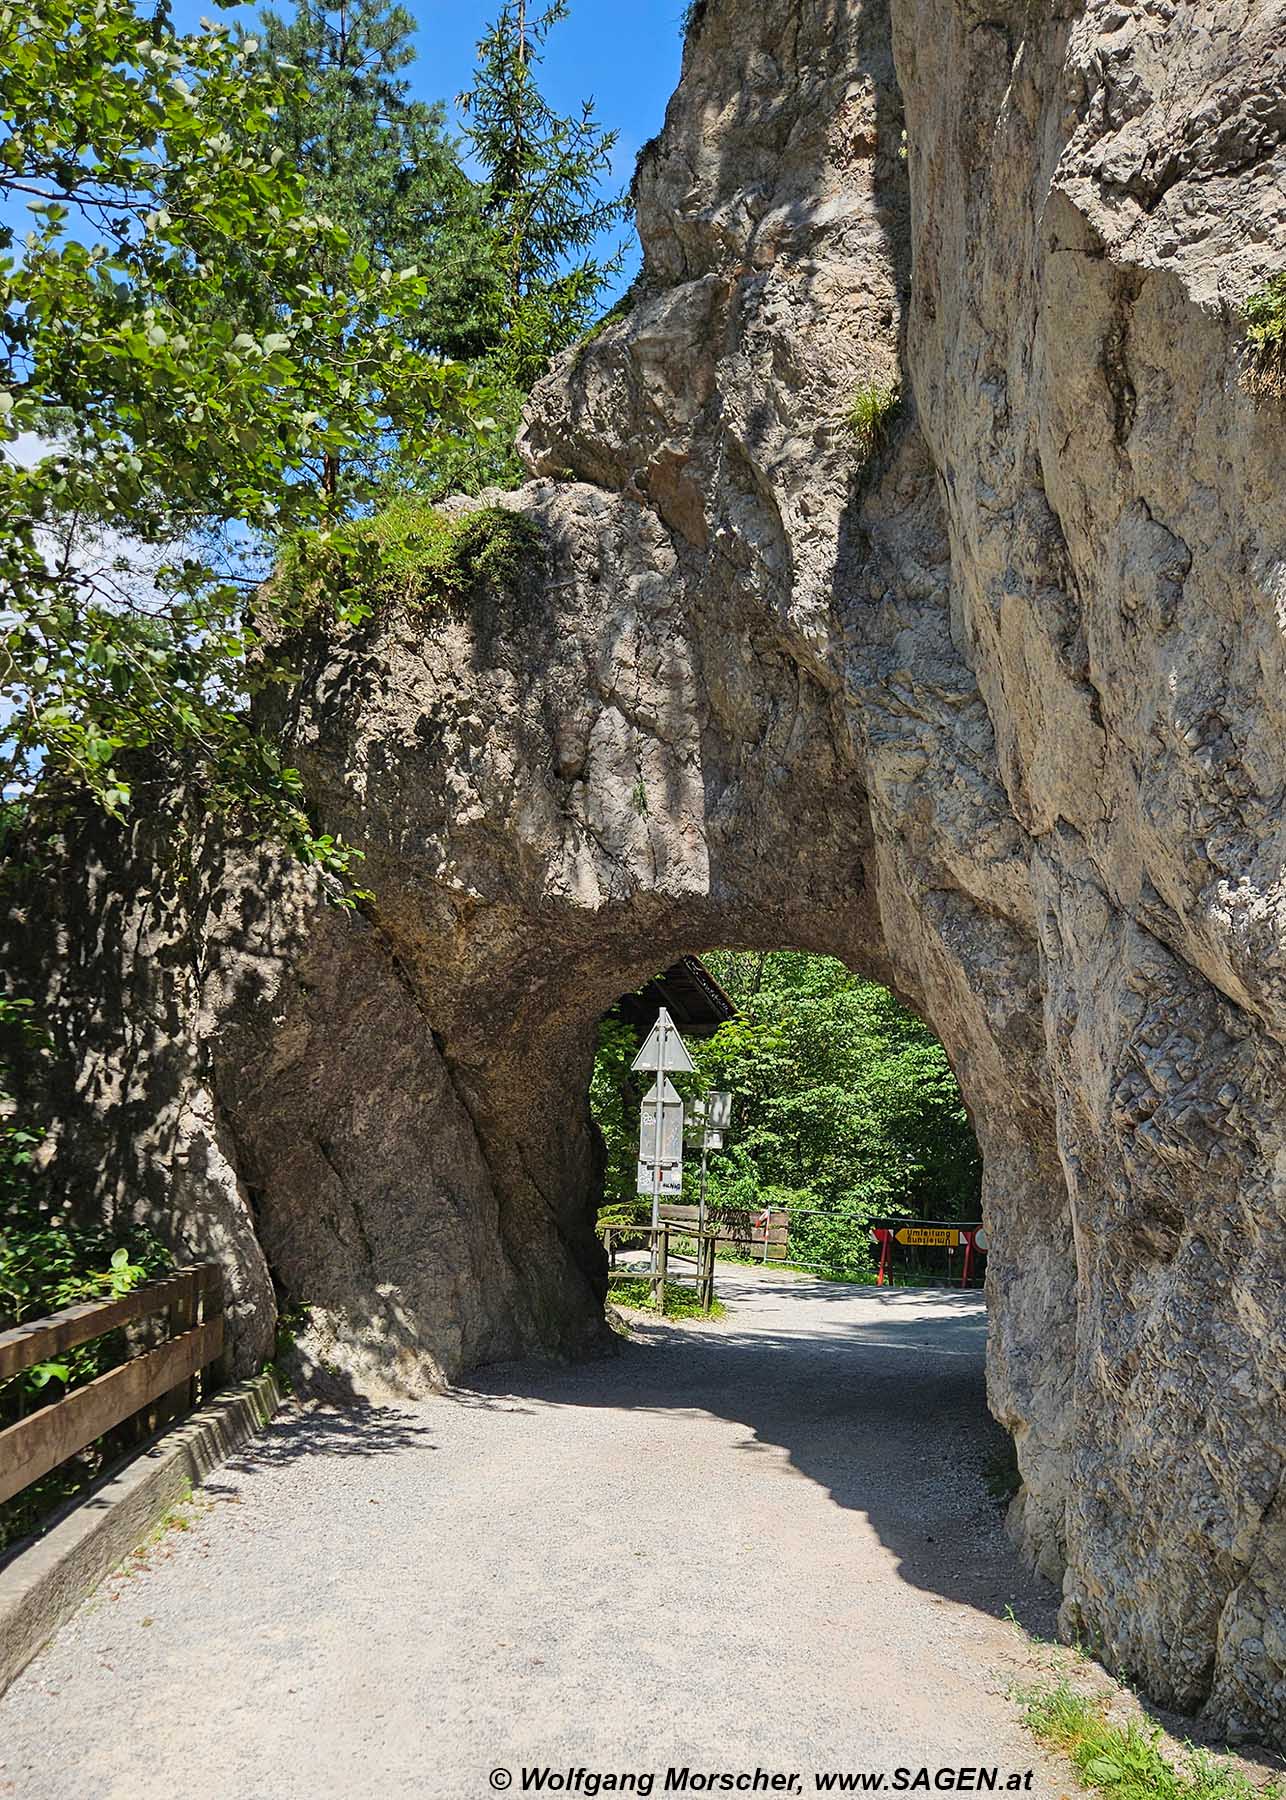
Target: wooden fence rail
column 192, row 1298
column 758, row 1233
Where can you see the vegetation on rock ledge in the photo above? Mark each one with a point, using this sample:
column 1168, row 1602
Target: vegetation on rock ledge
column 1265, row 315
column 414, row 557
column 870, row 416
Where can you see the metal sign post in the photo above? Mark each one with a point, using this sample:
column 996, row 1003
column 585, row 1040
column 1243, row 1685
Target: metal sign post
column 662, row 1082
column 716, row 1116
column 664, row 1051
column 701, row 1192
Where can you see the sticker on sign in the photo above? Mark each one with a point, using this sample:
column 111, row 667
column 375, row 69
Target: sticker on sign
column 671, row 1181
column 667, row 1152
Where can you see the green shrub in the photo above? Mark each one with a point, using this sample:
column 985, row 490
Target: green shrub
column 870, row 416
column 681, row 1302
column 48, row 1262
column 1265, row 316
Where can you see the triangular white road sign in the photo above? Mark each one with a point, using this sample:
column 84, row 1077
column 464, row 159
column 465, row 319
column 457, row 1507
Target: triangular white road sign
column 670, row 1093
column 675, row 1055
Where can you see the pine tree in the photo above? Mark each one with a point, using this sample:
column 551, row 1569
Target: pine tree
column 512, row 274
column 543, row 202
column 381, row 164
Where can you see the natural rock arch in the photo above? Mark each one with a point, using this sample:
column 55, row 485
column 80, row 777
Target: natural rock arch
column 995, row 715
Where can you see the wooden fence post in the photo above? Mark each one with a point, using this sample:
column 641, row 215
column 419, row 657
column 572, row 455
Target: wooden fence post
column 180, row 1316
column 215, row 1374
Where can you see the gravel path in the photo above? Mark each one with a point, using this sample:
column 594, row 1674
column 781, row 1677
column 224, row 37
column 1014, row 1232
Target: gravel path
column 759, row 1543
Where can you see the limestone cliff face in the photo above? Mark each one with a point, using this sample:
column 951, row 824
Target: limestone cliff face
column 996, row 715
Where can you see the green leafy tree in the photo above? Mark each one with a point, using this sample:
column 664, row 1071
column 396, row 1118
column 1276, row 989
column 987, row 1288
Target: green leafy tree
column 381, row 166
column 189, row 389
column 843, row 1102
column 844, row 1107
column 614, row 1104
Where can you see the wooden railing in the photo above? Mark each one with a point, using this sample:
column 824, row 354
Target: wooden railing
column 658, row 1237
column 761, row 1233
column 193, row 1300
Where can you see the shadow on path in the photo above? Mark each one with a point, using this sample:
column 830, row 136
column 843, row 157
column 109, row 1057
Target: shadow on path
column 314, row 1430
column 877, row 1395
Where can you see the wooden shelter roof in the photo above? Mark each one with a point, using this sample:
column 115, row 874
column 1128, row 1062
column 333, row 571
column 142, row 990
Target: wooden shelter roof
column 691, row 995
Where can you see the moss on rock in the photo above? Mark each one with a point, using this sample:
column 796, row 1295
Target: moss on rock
column 416, row 558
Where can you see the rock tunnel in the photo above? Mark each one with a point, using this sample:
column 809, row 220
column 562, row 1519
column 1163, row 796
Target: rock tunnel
column 986, row 702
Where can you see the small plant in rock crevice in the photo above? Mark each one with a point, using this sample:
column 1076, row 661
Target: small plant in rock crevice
column 1264, row 372
column 870, row 416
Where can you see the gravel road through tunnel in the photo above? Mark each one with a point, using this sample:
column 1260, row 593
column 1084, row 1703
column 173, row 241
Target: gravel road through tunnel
column 765, row 1542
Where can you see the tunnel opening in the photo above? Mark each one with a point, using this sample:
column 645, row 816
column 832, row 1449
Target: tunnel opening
column 846, row 1110
column 824, row 1130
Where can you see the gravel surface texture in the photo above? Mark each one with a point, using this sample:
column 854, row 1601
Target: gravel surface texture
column 765, row 1543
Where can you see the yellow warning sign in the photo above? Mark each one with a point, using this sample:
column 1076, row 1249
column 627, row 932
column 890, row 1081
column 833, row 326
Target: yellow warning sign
column 928, row 1234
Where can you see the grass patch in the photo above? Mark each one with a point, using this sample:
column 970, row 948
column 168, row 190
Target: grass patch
column 617, row 310
column 414, row 558
column 680, row 1302
column 1265, row 316
column 1124, row 1761
column 870, row 416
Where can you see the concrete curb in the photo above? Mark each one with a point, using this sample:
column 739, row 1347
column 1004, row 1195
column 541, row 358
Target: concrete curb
column 41, row 1587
